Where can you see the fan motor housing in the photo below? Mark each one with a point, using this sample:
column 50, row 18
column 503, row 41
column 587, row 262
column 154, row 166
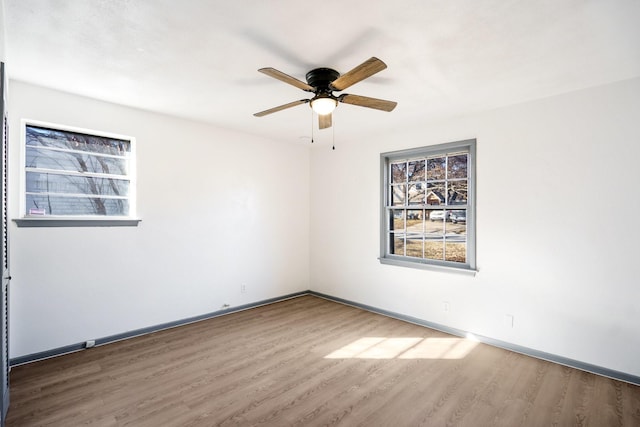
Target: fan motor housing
column 320, row 78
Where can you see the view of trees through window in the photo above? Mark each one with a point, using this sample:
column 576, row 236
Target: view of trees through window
column 427, row 206
column 76, row 174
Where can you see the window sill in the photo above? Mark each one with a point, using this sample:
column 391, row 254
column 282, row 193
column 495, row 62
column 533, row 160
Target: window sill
column 433, row 267
column 76, row 222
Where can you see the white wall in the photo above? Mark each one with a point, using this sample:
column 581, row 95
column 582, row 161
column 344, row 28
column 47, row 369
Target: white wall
column 3, row 38
column 557, row 221
column 215, row 209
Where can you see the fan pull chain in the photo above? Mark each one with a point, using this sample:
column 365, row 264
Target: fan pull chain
column 312, row 126
column 333, row 129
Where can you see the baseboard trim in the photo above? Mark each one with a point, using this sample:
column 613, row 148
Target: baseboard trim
column 34, row 357
column 5, row 407
column 583, row 366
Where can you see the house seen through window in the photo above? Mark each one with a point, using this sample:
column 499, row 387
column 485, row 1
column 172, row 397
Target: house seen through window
column 428, row 206
column 74, row 173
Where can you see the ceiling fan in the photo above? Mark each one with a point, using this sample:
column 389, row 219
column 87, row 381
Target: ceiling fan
column 322, row 82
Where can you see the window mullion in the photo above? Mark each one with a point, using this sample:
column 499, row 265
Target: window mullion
column 77, row 173
column 79, row 195
column 72, row 151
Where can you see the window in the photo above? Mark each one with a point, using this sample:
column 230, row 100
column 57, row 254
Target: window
column 428, row 206
column 76, row 174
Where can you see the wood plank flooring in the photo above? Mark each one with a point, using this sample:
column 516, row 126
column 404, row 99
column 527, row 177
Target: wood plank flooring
column 311, row 362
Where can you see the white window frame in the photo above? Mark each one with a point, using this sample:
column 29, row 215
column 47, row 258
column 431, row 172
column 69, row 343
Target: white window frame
column 386, row 240
column 37, row 220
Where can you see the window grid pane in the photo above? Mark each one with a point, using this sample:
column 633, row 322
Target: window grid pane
column 69, row 184
column 40, row 136
column 416, row 186
column 74, row 162
column 65, row 205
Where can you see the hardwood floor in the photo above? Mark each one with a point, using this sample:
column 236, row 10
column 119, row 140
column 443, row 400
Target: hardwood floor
column 311, row 362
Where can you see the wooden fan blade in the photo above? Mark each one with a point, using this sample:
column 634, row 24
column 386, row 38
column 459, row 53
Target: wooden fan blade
column 365, row 101
column 272, row 72
column 367, row 69
column 281, row 107
column 324, row 121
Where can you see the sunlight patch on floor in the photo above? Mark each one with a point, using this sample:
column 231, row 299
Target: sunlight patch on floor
column 405, row 348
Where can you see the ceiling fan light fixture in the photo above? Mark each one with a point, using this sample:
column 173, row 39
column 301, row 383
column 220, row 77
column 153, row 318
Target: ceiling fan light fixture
column 324, row 105
column 322, row 82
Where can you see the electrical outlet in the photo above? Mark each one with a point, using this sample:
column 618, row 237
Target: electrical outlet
column 446, row 306
column 243, row 288
column 508, row 320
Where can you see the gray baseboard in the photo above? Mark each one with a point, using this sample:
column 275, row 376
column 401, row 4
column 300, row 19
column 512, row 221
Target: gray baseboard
column 5, row 407
column 143, row 331
column 599, row 370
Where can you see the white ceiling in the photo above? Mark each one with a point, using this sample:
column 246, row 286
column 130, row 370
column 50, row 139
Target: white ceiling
column 199, row 58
